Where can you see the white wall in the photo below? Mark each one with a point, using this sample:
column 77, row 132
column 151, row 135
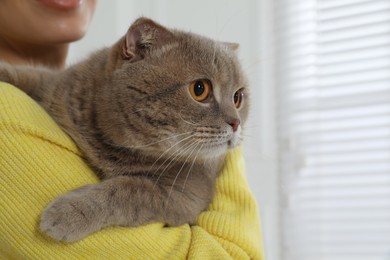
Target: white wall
column 246, row 22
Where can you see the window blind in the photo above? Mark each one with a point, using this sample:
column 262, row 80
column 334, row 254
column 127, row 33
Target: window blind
column 333, row 91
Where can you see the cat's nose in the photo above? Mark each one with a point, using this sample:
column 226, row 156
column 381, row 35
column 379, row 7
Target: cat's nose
column 235, row 123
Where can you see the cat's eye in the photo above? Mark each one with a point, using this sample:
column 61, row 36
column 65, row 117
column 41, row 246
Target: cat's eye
column 200, row 89
column 237, row 98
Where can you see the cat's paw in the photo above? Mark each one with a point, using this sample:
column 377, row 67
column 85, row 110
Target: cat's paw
column 68, row 219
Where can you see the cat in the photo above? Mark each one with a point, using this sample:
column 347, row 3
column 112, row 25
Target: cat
column 154, row 116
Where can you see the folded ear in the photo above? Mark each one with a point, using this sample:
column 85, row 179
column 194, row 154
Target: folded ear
column 143, row 35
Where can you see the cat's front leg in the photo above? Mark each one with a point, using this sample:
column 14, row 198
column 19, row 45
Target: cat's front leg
column 124, row 201
column 74, row 215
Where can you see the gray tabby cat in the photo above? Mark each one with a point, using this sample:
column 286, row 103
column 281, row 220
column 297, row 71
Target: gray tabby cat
column 154, row 116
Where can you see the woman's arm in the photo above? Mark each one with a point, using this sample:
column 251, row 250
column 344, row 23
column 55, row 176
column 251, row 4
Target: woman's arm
column 39, row 162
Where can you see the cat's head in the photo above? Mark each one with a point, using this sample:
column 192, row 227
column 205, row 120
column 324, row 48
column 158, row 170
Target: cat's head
column 177, row 92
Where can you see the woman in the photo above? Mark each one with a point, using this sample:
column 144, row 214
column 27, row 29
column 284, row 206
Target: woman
column 38, row 162
column 39, row 31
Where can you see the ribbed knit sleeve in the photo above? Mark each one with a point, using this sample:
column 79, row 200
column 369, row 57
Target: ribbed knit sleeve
column 39, row 162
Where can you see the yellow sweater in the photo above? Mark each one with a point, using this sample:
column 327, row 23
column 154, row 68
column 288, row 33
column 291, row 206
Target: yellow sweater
column 38, row 162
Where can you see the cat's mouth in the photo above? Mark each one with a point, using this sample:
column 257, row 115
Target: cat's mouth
column 231, row 144
column 205, row 142
column 234, row 140
column 219, row 145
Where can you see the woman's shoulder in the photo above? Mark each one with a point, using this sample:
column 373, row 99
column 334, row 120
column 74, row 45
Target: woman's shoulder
column 7, row 89
column 20, row 114
column 16, row 106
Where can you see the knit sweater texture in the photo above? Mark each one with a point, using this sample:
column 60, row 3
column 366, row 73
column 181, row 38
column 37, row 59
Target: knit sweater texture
column 39, row 162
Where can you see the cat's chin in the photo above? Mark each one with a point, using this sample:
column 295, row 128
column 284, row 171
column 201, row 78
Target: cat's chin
column 217, row 150
column 212, row 150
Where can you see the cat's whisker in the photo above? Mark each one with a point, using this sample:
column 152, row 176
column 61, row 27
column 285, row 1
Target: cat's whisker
column 165, row 152
column 248, row 134
column 253, row 126
column 230, row 19
column 252, row 66
column 214, row 52
column 188, row 122
column 179, row 154
column 185, row 162
column 173, row 156
column 161, row 156
column 192, row 165
column 162, row 140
